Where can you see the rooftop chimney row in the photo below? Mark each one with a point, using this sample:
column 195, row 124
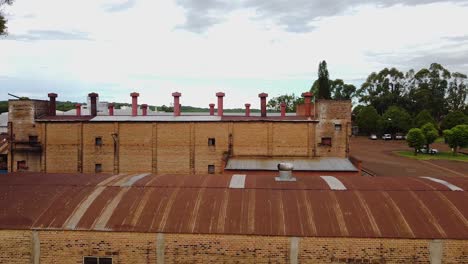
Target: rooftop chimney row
column 92, row 98
column 176, row 95
column 52, row 104
column 110, row 107
column 247, row 109
column 283, row 109
column 78, row 109
column 263, row 97
column 212, row 109
column 134, row 96
column 220, row 96
column 144, row 109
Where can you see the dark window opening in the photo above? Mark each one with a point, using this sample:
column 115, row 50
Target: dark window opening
column 337, row 127
column 21, row 165
column 98, row 141
column 211, row 169
column 33, row 139
column 98, row 167
column 326, row 141
column 97, row 260
column 211, row 142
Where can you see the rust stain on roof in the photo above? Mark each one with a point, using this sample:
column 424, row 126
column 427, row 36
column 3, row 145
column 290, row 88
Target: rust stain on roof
column 369, row 207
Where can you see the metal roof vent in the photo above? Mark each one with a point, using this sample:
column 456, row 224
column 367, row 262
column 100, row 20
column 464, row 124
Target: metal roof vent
column 285, row 172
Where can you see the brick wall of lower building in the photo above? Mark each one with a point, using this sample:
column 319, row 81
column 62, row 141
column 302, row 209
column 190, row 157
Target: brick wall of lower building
column 69, row 247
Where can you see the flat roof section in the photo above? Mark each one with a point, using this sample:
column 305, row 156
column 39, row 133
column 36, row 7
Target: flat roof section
column 300, row 164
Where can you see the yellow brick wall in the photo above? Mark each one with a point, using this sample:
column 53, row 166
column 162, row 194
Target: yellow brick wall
column 251, row 138
column 210, row 155
column 93, row 154
column 173, row 148
column 290, row 139
column 69, row 247
column 62, row 147
column 135, row 147
column 15, row 246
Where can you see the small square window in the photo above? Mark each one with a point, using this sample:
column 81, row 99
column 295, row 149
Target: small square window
column 211, row 169
column 326, row 141
column 90, row 260
column 33, row 139
column 105, row 260
column 98, row 167
column 337, row 127
column 98, row 141
column 211, row 142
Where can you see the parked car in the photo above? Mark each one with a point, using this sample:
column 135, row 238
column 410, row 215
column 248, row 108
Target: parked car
column 431, row 151
column 399, row 136
column 387, row 137
column 373, row 136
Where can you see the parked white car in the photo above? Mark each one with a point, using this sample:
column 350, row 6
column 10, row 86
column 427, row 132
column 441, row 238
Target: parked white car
column 373, row 136
column 387, row 137
column 431, row 151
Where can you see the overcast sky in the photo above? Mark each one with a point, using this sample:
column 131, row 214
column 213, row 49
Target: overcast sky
column 115, row 47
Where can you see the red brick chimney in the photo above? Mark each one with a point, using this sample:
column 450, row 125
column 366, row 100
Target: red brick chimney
column 52, row 104
column 144, row 109
column 111, row 109
column 220, row 96
column 78, row 109
column 307, row 102
column 283, row 109
column 247, row 109
column 263, row 97
column 92, row 98
column 134, row 96
column 176, row 95
column 212, row 109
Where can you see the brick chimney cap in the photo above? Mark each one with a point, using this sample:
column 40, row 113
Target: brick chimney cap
column 247, row 105
column 176, row 94
column 134, row 94
column 220, row 94
column 211, row 105
column 144, row 106
column 110, row 105
column 78, row 105
column 52, row 95
column 263, row 95
column 307, row 94
column 283, row 104
column 93, row 95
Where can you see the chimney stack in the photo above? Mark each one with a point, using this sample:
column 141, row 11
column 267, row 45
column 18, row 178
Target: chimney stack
column 52, row 104
column 134, row 96
column 212, row 109
column 144, row 109
column 78, row 109
column 111, row 109
column 220, row 96
column 176, row 95
column 283, row 109
column 307, row 102
column 247, row 109
column 263, row 97
column 92, row 98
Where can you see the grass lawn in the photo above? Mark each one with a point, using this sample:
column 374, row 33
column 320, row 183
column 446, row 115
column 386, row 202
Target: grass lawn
column 439, row 140
column 440, row 156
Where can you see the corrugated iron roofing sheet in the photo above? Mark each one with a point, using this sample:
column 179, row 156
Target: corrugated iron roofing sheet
column 369, row 207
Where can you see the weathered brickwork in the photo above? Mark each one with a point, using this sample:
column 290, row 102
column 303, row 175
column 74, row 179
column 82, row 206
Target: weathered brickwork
column 69, row 247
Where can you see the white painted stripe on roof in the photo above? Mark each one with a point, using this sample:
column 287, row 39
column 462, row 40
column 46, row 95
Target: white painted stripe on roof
column 237, row 181
column 134, row 179
column 75, row 218
column 447, row 184
column 333, row 183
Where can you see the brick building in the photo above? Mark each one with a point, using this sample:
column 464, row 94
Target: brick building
column 145, row 218
column 315, row 139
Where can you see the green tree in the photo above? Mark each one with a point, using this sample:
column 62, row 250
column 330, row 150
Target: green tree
column 341, row 90
column 323, row 81
column 396, row 119
column 457, row 137
column 415, row 139
column 384, row 89
column 356, row 110
column 3, row 21
column 423, row 118
column 453, row 119
column 291, row 101
column 457, row 92
column 430, row 134
column 368, row 120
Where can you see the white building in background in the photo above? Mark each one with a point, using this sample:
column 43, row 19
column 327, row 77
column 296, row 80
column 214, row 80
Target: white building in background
column 4, row 122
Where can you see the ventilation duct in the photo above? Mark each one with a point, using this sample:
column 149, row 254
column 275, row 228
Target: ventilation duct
column 285, row 172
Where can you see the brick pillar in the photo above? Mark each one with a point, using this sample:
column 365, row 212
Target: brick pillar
column 176, row 95
column 134, row 96
column 247, row 109
column 212, row 109
column 144, row 109
column 92, row 98
column 263, row 97
column 111, row 109
column 220, row 96
column 52, row 104
column 307, row 102
column 283, row 109
column 78, row 109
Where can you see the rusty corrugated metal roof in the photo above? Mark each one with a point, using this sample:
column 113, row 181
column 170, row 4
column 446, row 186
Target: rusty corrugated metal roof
column 299, row 164
column 388, row 207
